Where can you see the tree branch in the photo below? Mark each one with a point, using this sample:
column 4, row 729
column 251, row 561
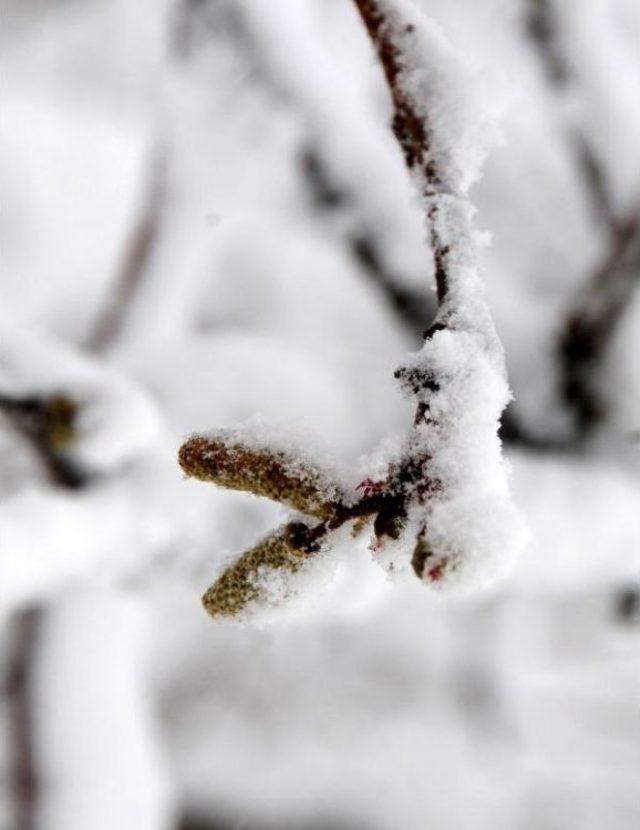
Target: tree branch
column 137, row 253
column 592, row 323
column 24, row 780
column 594, row 316
column 438, row 476
column 413, row 307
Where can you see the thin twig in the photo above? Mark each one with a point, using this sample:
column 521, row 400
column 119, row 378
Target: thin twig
column 594, row 316
column 24, row 779
column 592, row 323
column 112, row 319
column 544, row 29
column 413, row 307
column 411, row 130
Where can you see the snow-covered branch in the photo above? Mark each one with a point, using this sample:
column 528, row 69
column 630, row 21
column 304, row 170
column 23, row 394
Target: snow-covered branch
column 442, row 509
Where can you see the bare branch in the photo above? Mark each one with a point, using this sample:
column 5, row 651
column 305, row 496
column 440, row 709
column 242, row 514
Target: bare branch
column 135, row 260
column 594, row 316
column 541, row 26
column 460, row 345
column 24, row 780
column 410, row 127
column 413, row 306
column 592, row 323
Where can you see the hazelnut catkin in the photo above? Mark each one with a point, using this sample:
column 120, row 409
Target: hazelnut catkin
column 239, row 585
column 263, row 472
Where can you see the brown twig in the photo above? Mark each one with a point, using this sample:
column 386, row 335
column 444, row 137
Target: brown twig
column 594, row 316
column 414, row 135
column 410, row 128
column 413, row 307
column 24, row 779
column 112, row 318
column 542, row 27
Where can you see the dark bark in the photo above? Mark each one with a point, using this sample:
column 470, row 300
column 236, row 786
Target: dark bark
column 23, row 766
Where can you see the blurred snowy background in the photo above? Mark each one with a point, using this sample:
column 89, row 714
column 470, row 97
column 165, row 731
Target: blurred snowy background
column 205, row 218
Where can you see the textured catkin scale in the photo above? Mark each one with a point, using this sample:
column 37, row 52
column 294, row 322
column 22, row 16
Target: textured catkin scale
column 263, row 472
column 243, row 583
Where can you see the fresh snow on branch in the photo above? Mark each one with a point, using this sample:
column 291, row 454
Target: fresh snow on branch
column 443, row 508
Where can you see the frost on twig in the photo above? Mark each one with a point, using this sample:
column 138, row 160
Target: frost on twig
column 442, row 510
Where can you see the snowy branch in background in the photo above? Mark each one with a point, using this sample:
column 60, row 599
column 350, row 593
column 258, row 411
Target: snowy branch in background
column 112, row 319
column 597, row 310
column 71, row 407
column 442, row 508
column 592, row 323
column 47, row 424
column 84, row 424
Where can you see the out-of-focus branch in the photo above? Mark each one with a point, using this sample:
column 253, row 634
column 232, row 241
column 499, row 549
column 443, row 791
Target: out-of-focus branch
column 594, row 316
column 48, row 426
column 411, row 129
column 413, row 307
column 24, row 779
column 592, row 323
column 512, row 432
column 112, row 319
column 595, row 181
column 541, row 27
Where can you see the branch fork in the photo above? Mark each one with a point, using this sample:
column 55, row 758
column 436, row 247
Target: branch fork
column 443, row 502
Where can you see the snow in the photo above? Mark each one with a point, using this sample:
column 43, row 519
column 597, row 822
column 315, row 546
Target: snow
column 87, row 707
column 365, row 700
column 446, row 93
column 115, row 419
column 458, row 377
